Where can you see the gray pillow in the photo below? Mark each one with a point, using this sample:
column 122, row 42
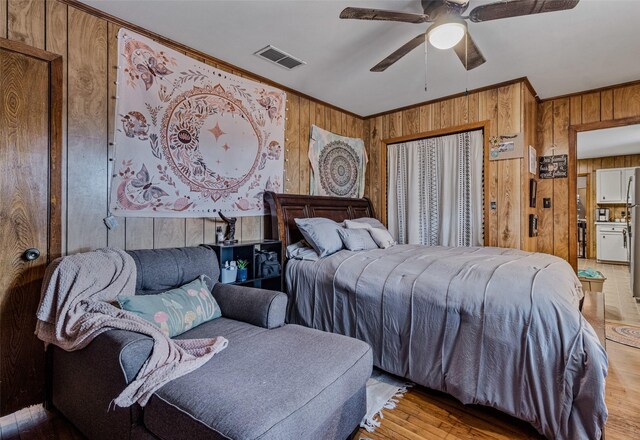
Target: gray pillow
column 357, row 239
column 321, row 234
column 373, row 222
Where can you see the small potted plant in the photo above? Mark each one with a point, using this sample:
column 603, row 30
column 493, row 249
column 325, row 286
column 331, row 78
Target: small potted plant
column 242, row 269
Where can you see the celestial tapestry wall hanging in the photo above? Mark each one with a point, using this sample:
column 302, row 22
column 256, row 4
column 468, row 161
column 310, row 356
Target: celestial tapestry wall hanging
column 338, row 164
column 191, row 140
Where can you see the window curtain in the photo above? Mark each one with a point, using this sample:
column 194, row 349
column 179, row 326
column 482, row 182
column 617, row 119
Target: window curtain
column 435, row 190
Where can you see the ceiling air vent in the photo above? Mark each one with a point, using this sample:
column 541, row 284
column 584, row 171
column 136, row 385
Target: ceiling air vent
column 279, row 57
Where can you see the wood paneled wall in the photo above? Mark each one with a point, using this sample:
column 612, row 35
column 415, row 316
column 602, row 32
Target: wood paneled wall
column 589, row 167
column 89, row 46
column 554, row 118
column 511, row 109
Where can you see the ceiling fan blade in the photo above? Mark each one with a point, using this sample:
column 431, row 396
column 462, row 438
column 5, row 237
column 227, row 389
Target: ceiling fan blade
column 434, row 8
column 379, row 14
column 469, row 53
column 516, row 8
column 388, row 61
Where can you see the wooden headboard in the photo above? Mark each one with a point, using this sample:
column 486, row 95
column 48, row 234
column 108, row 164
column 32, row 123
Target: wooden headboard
column 287, row 207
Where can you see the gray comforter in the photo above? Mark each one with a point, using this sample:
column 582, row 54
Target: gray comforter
column 495, row 327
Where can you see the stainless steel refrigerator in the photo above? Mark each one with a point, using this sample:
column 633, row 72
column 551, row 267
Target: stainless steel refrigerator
column 633, row 230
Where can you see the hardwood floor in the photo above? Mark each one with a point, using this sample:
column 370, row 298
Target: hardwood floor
column 427, row 414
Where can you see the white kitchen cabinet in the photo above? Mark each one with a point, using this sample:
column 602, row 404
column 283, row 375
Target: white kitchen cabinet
column 611, row 243
column 609, row 186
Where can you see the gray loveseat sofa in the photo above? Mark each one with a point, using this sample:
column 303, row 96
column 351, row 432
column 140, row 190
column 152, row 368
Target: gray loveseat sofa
column 273, row 381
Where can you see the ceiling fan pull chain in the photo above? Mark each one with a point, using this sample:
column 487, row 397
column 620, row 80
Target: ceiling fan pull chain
column 426, row 74
column 466, row 60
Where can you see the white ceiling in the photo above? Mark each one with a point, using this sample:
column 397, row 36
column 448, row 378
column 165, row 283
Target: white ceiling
column 593, row 45
column 608, row 142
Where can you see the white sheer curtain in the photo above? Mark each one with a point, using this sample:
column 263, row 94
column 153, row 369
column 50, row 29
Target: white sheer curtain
column 435, row 190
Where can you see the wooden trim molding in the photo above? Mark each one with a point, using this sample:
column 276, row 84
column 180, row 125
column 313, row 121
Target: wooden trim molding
column 486, row 129
column 597, row 90
column 55, row 138
column 573, row 174
column 523, row 79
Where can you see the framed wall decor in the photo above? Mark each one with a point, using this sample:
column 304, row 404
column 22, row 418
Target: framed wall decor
column 533, row 160
column 553, row 167
column 506, row 147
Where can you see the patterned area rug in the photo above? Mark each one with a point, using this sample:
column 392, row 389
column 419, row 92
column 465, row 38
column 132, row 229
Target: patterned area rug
column 383, row 392
column 624, row 334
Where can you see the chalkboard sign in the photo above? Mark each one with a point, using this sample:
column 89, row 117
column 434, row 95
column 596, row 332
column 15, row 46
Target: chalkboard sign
column 552, row 167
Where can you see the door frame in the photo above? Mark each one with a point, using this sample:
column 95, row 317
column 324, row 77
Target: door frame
column 54, row 245
column 485, row 126
column 587, row 204
column 573, row 174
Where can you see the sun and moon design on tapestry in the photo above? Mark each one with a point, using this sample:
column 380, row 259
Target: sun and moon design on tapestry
column 192, row 140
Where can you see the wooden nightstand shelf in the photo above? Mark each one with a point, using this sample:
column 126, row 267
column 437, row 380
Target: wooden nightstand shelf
column 248, row 250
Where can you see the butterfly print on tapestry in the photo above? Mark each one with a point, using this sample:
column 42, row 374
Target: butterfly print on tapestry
column 147, row 188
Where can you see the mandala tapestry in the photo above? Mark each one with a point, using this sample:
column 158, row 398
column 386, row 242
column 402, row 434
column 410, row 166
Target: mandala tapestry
column 191, row 140
column 338, row 164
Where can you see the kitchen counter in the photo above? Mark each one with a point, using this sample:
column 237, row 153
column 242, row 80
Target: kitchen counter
column 611, row 223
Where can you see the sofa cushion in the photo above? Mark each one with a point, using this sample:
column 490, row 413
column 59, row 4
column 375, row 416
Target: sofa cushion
column 267, row 384
column 176, row 310
column 158, row 270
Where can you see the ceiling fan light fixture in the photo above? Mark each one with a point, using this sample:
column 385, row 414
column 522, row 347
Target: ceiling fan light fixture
column 446, row 33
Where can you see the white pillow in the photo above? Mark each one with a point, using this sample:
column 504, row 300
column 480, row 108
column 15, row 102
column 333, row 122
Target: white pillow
column 351, row 224
column 374, row 222
column 382, row 237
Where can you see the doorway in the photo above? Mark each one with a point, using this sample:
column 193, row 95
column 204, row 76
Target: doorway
column 30, row 226
column 608, row 171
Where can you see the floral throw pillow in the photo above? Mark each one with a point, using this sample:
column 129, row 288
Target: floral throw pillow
column 177, row 310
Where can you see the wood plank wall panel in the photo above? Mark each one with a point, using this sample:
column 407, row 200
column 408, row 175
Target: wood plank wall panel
column 509, row 171
column 25, row 22
column 545, row 186
column 89, row 48
column 529, row 122
column 554, row 118
column 292, row 143
column 561, row 118
column 488, row 110
column 504, row 108
column 56, row 41
column 377, row 185
column 626, row 102
column 303, row 145
column 87, row 130
column 115, row 237
column 590, row 107
column 3, row 18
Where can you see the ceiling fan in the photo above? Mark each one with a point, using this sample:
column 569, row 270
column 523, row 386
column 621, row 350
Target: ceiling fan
column 449, row 28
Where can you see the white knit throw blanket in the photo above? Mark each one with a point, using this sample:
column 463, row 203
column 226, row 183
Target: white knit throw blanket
column 75, row 308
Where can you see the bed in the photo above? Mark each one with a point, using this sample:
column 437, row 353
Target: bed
column 490, row 326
